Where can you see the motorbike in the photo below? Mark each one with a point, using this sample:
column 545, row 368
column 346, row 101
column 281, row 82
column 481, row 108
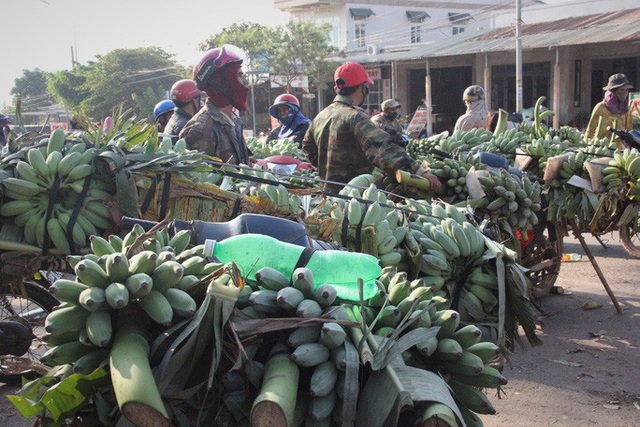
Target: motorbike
column 23, row 309
column 284, row 164
column 282, row 229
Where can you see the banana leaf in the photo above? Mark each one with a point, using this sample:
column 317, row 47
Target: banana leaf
column 61, row 398
column 403, row 385
column 391, row 349
column 177, row 375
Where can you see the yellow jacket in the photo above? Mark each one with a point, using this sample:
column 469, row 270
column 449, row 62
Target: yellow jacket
column 622, row 121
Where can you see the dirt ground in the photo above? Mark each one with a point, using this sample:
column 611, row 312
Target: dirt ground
column 586, row 373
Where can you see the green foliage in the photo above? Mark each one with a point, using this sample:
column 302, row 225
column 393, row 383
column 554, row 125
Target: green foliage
column 67, row 87
column 32, row 89
column 123, row 77
column 297, row 49
column 133, row 79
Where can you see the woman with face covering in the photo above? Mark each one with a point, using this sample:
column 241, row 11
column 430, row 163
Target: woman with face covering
column 217, row 129
column 293, row 124
column 476, row 114
column 613, row 110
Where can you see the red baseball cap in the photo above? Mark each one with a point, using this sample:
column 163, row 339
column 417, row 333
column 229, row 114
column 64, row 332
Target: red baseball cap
column 351, row 74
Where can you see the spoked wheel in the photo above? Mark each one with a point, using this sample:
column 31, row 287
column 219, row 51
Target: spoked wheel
column 543, row 254
column 29, row 304
column 630, row 238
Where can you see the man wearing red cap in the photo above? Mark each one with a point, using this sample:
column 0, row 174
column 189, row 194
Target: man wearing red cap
column 343, row 142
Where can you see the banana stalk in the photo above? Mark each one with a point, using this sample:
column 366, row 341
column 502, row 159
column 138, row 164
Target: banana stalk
column 413, row 180
column 276, row 402
column 501, row 126
column 135, row 389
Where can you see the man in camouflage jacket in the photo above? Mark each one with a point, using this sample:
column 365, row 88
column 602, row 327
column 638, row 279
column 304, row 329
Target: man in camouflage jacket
column 216, row 129
column 343, row 143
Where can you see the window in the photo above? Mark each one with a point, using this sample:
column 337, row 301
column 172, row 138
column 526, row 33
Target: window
column 415, row 33
column 360, row 32
column 375, row 97
column 458, row 21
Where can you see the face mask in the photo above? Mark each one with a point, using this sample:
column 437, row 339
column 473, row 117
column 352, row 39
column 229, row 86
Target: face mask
column 366, row 94
column 391, row 116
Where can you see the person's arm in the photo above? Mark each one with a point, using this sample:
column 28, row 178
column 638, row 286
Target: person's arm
column 386, row 155
column 274, row 134
column 310, row 147
column 590, row 132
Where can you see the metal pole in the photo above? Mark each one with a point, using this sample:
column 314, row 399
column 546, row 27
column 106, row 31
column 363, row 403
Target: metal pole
column 518, row 57
column 253, row 102
column 427, row 99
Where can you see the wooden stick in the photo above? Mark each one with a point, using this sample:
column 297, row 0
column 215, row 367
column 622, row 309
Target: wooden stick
column 596, row 267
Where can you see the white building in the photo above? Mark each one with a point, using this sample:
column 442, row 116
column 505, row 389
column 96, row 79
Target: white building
column 450, row 45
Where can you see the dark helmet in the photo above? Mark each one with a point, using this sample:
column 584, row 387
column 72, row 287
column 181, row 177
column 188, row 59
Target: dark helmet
column 4, row 120
column 213, row 60
column 285, row 99
column 162, row 107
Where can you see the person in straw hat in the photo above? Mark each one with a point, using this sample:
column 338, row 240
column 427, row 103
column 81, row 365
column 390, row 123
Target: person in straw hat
column 613, row 110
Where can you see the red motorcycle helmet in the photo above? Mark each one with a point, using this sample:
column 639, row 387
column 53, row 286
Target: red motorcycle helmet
column 285, row 99
column 351, row 74
column 213, row 60
column 184, row 91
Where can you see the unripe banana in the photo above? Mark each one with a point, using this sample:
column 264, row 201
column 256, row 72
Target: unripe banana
column 98, row 328
column 117, row 295
column 181, row 302
column 157, row 308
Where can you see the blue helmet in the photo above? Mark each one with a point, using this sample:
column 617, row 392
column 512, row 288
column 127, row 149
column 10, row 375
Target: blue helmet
column 162, row 107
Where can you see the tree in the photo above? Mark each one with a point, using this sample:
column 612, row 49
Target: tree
column 67, row 87
column 32, row 89
column 132, row 78
column 295, row 50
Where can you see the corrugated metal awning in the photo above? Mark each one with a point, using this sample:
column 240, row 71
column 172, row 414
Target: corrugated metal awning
column 455, row 17
column 361, row 12
column 601, row 28
column 417, row 16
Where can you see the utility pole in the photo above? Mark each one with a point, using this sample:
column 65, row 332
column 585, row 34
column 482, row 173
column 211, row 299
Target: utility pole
column 518, row 57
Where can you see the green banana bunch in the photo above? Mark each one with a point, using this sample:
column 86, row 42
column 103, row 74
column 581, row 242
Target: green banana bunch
column 452, row 174
column 505, row 144
column 573, row 165
column 512, row 198
column 286, row 147
column 623, row 173
column 157, row 281
column 45, row 192
column 566, row 133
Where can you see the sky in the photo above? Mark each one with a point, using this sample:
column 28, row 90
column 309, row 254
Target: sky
column 40, row 33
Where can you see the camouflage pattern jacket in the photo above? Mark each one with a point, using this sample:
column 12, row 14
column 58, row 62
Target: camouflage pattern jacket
column 213, row 133
column 343, row 142
column 176, row 123
column 392, row 127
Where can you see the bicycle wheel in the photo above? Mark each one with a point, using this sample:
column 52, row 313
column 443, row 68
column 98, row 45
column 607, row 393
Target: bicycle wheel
column 29, row 304
column 630, row 238
column 543, row 255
